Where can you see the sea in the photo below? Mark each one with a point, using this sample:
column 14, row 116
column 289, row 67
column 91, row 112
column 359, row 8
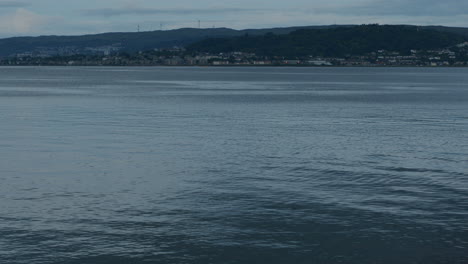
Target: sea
column 233, row 165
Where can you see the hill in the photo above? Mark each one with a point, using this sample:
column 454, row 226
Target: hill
column 330, row 42
column 140, row 41
column 125, row 41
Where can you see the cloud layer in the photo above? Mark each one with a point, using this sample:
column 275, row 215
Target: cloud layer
column 22, row 21
column 12, row 4
column 107, row 12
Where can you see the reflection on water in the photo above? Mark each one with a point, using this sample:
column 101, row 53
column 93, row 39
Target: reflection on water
column 233, row 165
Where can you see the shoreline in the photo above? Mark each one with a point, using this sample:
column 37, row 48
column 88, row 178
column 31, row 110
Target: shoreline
column 238, row 66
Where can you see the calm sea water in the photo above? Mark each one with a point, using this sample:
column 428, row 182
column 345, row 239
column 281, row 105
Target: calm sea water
column 233, row 165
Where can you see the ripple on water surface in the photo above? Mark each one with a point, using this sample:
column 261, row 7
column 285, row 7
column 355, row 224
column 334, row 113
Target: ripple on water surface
column 233, row 165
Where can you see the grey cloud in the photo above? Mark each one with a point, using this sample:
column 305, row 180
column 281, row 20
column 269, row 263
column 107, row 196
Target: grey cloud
column 12, row 4
column 153, row 11
column 434, row 8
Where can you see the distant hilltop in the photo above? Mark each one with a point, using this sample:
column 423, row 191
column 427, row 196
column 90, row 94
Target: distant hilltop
column 102, row 44
column 199, row 39
column 335, row 42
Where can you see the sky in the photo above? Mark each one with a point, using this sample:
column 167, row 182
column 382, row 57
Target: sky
column 72, row 17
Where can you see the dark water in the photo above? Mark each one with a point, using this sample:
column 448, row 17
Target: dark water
column 233, row 165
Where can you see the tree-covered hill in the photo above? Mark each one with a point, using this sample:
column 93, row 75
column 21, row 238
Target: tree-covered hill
column 333, row 42
column 142, row 41
column 128, row 41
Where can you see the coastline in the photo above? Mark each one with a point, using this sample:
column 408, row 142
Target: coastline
column 237, row 66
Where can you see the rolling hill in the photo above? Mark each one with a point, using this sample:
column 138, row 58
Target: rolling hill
column 139, row 41
column 340, row 41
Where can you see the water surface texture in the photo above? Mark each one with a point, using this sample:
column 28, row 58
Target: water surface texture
column 233, row 165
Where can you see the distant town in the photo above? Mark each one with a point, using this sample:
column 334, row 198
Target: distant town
column 365, row 45
column 179, row 56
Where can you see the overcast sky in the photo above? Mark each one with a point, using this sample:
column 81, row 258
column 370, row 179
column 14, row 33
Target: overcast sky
column 70, row 17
